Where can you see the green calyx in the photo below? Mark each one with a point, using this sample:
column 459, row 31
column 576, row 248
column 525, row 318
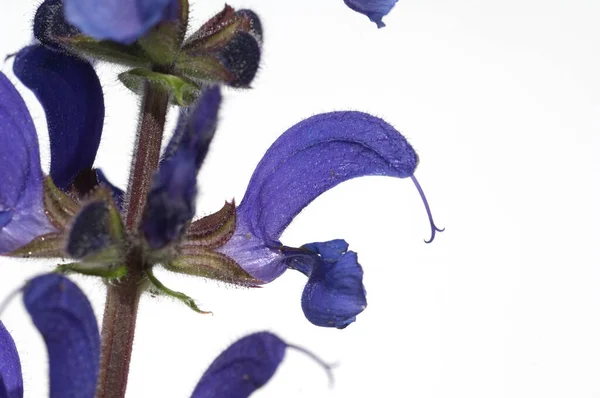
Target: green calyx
column 182, row 91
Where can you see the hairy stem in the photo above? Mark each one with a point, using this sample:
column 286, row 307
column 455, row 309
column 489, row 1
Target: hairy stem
column 122, row 299
column 147, row 153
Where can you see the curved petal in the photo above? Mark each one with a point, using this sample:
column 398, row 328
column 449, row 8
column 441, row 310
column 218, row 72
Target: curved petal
column 334, row 293
column 171, row 203
column 64, row 317
column 374, row 9
column 22, row 215
column 70, row 92
column 11, row 378
column 244, row 367
column 117, row 20
column 310, row 158
column 314, row 156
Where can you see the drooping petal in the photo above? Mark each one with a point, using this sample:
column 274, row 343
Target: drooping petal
column 11, row 378
column 70, row 92
column 244, row 367
column 374, row 9
column 310, row 158
column 334, row 293
column 117, row 20
column 22, row 215
column 171, row 203
column 66, row 321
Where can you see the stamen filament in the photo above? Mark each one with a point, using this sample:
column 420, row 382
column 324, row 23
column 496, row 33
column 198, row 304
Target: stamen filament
column 327, row 367
column 434, row 228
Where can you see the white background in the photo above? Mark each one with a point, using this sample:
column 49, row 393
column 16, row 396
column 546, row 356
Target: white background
column 501, row 100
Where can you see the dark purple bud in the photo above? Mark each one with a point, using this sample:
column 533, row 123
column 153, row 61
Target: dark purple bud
column 71, row 95
column 11, row 378
column 196, row 126
column 90, row 232
column 50, row 26
column 171, row 203
column 226, row 49
column 65, row 319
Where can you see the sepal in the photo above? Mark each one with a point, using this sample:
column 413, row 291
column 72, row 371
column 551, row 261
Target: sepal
column 211, row 265
column 221, row 28
column 213, row 230
column 163, row 41
column 182, row 91
column 114, row 272
column 53, row 30
column 59, row 207
column 46, row 246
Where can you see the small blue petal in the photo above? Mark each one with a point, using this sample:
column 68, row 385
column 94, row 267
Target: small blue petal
column 334, row 293
column 117, row 193
column 21, row 182
column 171, row 201
column 70, row 92
column 374, row 9
column 310, row 158
column 64, row 317
column 117, row 20
column 11, row 378
column 241, row 369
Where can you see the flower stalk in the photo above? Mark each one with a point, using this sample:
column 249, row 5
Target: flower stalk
column 122, row 298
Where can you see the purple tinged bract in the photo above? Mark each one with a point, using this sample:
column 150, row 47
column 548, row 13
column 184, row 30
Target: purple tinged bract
column 71, row 95
column 117, row 20
column 11, row 378
column 22, row 215
column 374, row 9
column 65, row 319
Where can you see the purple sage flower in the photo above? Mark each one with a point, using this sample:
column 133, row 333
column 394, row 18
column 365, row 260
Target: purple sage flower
column 310, row 158
column 74, row 125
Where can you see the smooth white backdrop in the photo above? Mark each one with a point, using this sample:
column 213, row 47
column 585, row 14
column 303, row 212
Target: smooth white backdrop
column 500, row 99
